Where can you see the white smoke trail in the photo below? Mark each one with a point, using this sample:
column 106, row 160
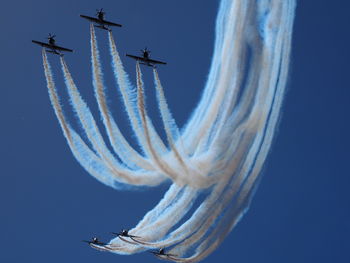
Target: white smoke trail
column 215, row 161
column 171, row 129
column 195, row 180
column 147, row 144
column 129, row 96
column 87, row 158
column 120, row 145
column 90, row 127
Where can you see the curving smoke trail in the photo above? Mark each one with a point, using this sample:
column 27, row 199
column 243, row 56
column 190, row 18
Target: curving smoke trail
column 217, row 157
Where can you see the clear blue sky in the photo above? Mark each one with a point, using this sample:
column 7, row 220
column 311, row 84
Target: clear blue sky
column 49, row 203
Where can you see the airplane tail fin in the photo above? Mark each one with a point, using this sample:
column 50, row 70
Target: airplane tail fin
column 103, row 27
column 55, row 52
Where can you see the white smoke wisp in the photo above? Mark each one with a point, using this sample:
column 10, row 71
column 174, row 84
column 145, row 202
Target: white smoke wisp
column 214, row 162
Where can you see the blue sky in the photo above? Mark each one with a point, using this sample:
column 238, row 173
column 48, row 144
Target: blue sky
column 49, row 203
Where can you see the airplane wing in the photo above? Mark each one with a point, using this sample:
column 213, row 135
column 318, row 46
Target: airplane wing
column 61, row 48
column 96, row 20
column 41, row 44
column 110, row 23
column 146, row 60
column 52, row 47
column 135, row 57
column 156, row 61
column 93, row 19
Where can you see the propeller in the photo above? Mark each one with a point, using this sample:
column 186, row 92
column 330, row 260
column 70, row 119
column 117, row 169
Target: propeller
column 145, row 50
column 51, row 36
column 100, row 11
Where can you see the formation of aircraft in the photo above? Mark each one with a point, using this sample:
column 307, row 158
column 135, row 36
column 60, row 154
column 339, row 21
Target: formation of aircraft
column 95, row 243
column 100, row 21
column 145, row 59
column 51, row 46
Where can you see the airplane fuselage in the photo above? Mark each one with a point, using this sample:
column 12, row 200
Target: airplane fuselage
column 52, row 42
column 146, row 55
column 101, row 17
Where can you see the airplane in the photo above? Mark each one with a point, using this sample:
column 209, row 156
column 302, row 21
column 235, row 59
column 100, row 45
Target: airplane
column 95, row 241
column 161, row 253
column 124, row 233
column 51, row 45
column 145, row 59
column 100, row 22
column 96, row 244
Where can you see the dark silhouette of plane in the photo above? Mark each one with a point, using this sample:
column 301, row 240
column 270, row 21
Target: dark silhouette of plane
column 161, row 253
column 145, row 59
column 100, row 21
column 124, row 233
column 95, row 241
column 51, row 46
